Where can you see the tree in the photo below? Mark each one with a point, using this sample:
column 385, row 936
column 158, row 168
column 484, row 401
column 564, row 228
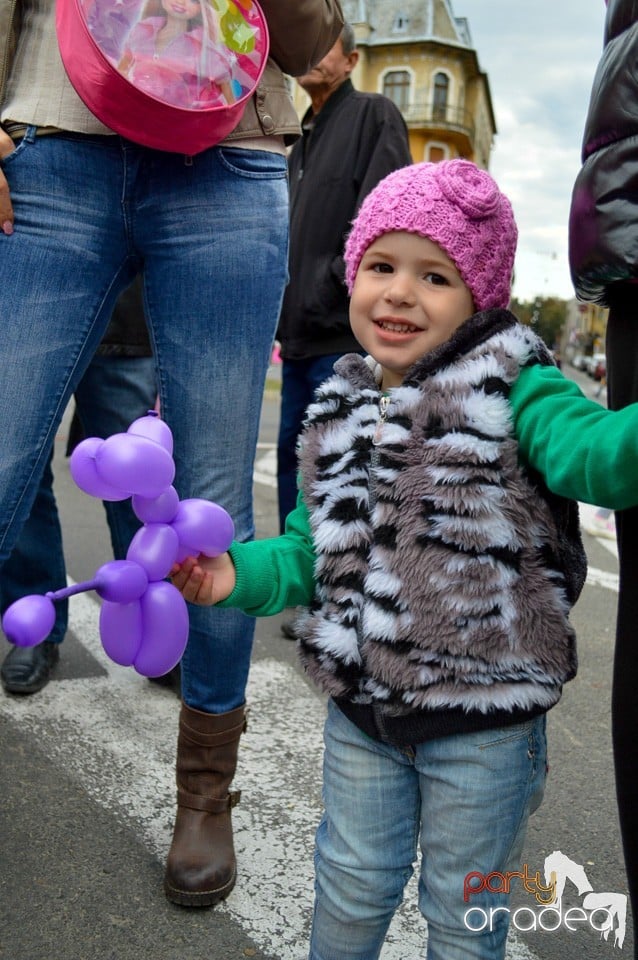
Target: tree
column 547, row 316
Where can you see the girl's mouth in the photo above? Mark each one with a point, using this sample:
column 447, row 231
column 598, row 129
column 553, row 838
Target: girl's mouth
column 396, row 326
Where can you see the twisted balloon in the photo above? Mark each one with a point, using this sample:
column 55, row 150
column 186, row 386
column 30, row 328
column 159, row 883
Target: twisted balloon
column 144, row 618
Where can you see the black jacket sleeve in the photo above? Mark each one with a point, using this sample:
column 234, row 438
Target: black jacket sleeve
column 603, row 219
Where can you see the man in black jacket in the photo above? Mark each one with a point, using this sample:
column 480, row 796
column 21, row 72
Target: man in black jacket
column 351, row 140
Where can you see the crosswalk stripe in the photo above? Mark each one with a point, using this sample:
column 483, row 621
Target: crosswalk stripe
column 265, row 471
column 602, row 578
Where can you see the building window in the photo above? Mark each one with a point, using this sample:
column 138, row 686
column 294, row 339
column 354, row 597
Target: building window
column 401, row 22
column 441, row 91
column 396, row 86
column 435, row 152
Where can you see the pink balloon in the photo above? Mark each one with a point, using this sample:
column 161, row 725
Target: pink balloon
column 121, row 581
column 154, row 548
column 84, row 472
column 164, row 629
column 202, row 527
column 135, row 464
column 161, row 509
column 29, row 620
column 153, row 427
column 121, row 631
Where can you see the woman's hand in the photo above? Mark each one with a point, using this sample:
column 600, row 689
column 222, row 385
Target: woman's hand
column 7, row 146
column 205, row 580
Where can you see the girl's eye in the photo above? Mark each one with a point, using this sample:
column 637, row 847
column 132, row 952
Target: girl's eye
column 382, row 268
column 436, row 279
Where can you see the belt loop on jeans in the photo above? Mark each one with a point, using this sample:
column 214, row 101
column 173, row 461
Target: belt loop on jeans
column 30, row 133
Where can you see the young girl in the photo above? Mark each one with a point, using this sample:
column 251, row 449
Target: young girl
column 436, row 547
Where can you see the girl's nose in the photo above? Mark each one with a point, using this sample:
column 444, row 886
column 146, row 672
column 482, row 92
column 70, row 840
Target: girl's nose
column 400, row 289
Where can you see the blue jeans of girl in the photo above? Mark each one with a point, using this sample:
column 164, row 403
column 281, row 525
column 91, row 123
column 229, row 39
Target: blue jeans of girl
column 465, row 800
column 210, row 236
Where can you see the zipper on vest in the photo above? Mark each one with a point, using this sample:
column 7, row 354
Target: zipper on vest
column 384, row 403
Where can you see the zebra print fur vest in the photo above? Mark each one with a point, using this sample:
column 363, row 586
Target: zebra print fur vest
column 445, row 572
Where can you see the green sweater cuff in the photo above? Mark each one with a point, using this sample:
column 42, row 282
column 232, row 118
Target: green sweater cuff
column 275, row 573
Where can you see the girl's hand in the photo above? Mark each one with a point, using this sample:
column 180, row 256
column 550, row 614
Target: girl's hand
column 7, row 146
column 205, row 580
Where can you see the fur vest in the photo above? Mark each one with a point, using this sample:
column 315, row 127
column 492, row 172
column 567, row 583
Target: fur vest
column 445, row 571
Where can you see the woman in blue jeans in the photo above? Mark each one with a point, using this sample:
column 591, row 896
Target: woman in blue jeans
column 82, row 211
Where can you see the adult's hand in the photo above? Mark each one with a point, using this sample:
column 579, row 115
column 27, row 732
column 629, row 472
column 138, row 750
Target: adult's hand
column 7, row 146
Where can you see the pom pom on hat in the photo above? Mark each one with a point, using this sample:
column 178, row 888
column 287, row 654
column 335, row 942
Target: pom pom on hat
column 456, row 205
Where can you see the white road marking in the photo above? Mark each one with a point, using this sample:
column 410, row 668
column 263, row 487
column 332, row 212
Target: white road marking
column 265, row 471
column 589, row 521
column 124, row 758
column 602, row 578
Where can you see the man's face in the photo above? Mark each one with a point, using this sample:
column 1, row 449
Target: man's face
column 329, row 72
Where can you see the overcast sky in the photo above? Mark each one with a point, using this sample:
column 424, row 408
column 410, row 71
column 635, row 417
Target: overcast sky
column 540, row 59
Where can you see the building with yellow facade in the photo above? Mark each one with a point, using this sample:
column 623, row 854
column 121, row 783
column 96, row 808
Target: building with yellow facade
column 418, row 53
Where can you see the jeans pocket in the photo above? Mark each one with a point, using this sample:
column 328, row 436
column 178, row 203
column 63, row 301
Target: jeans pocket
column 530, row 758
column 508, row 734
column 19, row 147
column 253, row 164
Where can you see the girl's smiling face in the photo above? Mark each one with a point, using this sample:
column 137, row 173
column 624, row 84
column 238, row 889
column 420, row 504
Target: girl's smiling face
column 182, row 9
column 408, row 298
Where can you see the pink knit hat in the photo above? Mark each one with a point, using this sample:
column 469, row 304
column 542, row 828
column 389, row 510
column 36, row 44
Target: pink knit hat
column 459, row 207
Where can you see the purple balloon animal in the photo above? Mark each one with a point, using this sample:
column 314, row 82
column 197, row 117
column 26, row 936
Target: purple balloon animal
column 144, row 618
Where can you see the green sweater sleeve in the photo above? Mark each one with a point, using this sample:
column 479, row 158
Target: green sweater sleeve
column 276, row 573
column 581, row 449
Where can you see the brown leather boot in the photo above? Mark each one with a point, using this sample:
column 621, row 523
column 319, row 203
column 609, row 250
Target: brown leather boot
column 201, row 867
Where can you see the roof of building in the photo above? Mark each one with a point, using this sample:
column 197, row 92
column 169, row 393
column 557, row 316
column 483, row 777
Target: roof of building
column 398, row 21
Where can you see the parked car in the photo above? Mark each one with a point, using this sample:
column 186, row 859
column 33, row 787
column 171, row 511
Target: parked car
column 592, row 364
column 600, row 370
column 578, row 361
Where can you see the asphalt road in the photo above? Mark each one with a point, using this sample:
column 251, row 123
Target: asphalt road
column 87, row 774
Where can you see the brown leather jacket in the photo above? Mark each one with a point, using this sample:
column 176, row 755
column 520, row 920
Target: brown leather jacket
column 301, row 33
